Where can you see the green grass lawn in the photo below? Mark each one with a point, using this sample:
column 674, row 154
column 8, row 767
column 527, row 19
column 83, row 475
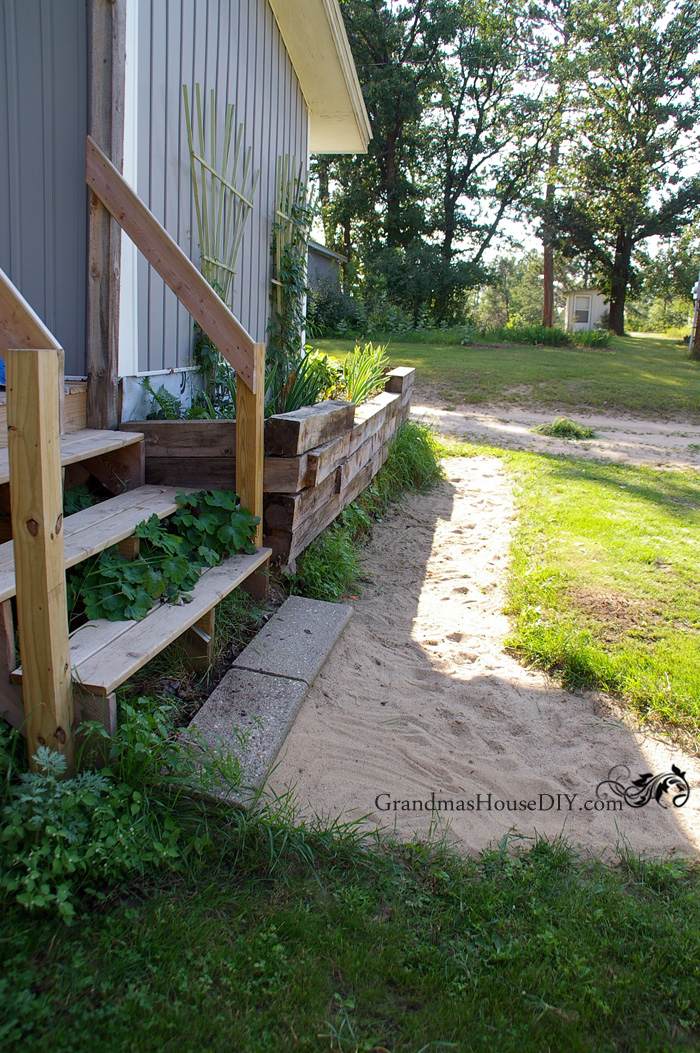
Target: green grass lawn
column 646, row 375
column 605, row 580
column 342, row 948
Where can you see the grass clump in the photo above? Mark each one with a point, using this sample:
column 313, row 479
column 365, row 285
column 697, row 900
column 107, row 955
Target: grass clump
column 329, row 568
column 564, row 428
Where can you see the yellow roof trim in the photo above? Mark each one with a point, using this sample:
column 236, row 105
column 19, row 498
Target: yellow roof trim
column 314, row 35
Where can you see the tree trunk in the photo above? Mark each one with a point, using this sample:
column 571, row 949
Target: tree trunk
column 618, row 285
column 547, row 247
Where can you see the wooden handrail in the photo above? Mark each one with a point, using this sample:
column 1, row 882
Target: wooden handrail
column 172, row 264
column 20, row 325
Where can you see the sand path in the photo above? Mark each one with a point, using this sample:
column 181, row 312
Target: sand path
column 419, row 698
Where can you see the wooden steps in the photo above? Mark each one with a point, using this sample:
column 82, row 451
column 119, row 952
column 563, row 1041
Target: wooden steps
column 104, row 654
column 94, row 529
column 82, row 446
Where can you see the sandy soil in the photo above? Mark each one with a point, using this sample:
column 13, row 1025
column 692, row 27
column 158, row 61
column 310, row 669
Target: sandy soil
column 618, row 438
column 419, row 698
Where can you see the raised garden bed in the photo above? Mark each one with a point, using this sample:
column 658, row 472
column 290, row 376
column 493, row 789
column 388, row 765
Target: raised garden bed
column 317, row 459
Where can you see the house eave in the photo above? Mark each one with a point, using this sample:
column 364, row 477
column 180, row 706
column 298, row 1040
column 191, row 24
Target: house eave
column 315, row 38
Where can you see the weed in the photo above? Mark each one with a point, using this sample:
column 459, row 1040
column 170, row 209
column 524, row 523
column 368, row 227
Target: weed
column 564, row 428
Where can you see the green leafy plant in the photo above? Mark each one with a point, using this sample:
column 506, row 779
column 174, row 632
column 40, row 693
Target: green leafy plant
column 363, row 372
column 296, row 208
column 592, row 338
column 77, row 499
column 302, row 381
column 207, row 527
column 66, row 835
column 169, row 406
column 564, row 428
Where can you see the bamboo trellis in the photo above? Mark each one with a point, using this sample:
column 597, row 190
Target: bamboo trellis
column 222, row 202
column 294, row 214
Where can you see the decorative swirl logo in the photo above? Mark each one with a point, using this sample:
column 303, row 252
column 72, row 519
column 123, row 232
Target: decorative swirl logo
column 640, row 791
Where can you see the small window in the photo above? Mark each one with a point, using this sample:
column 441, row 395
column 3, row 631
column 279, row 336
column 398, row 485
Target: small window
column 582, row 309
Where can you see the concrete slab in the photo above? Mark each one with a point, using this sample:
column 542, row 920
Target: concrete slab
column 297, row 639
column 249, row 715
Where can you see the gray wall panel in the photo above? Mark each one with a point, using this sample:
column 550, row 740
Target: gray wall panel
column 235, row 46
column 43, row 199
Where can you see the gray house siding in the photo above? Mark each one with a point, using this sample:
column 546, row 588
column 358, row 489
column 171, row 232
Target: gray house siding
column 235, row 47
column 43, row 198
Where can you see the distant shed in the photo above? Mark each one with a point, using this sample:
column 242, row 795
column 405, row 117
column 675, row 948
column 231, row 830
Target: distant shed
column 324, row 265
column 585, row 309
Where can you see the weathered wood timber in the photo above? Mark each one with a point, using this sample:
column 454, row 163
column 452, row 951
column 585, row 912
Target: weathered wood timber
column 287, row 511
column 292, row 434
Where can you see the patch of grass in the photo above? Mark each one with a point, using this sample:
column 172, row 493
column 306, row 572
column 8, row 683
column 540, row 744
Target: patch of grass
column 300, row 939
column 605, row 580
column 647, row 375
column 329, row 568
column 564, row 428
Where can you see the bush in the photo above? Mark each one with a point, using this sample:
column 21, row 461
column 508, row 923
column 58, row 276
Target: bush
column 537, row 335
column 592, row 338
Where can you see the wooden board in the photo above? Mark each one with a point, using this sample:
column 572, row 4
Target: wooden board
column 371, row 416
column 323, row 460
column 106, row 79
column 287, row 474
column 36, row 499
column 186, row 438
column 286, row 545
column 292, row 434
column 250, row 452
column 94, row 529
column 105, row 654
column 195, row 473
column 364, row 453
column 20, row 325
column 174, row 267
column 80, row 446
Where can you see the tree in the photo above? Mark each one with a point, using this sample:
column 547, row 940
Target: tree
column 626, row 178
column 456, row 134
column 484, row 133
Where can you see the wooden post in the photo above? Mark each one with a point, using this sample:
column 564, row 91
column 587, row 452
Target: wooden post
column 36, row 498
column 250, row 424
column 107, row 36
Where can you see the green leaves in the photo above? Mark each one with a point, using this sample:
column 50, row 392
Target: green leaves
column 207, row 528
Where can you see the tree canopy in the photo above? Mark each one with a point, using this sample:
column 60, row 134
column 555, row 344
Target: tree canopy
column 583, row 115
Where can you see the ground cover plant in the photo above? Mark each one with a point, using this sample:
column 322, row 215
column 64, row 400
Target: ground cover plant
column 645, row 375
column 305, row 938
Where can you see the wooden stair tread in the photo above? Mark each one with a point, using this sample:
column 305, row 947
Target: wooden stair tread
column 81, row 446
column 104, row 654
column 96, row 528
